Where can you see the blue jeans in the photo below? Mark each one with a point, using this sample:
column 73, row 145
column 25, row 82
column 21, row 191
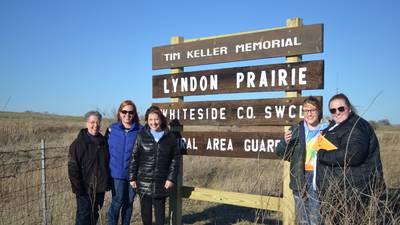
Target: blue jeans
column 308, row 206
column 87, row 208
column 122, row 201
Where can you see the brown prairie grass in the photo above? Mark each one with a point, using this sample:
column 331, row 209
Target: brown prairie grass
column 20, row 135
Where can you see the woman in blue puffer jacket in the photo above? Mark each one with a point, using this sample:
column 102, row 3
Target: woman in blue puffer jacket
column 121, row 137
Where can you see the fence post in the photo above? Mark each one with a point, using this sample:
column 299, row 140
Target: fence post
column 43, row 181
column 175, row 201
column 288, row 201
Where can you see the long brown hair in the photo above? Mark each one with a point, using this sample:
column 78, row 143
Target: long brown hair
column 156, row 110
column 135, row 114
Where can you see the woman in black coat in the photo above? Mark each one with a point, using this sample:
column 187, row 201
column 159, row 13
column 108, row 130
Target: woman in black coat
column 154, row 165
column 88, row 170
column 351, row 175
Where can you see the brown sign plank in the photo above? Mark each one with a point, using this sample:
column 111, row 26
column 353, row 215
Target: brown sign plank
column 256, row 112
column 276, row 77
column 264, row 44
column 232, row 144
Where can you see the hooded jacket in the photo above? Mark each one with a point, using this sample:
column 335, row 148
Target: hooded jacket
column 88, row 165
column 152, row 163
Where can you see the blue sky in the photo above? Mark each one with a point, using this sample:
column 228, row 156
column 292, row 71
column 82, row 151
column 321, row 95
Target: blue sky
column 67, row 57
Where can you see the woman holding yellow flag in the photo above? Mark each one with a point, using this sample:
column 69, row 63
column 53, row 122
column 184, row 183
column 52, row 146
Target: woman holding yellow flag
column 299, row 147
column 351, row 174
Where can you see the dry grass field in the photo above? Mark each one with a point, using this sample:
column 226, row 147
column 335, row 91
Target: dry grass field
column 20, row 135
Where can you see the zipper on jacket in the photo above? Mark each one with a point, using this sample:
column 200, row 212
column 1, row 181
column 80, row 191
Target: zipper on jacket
column 156, row 164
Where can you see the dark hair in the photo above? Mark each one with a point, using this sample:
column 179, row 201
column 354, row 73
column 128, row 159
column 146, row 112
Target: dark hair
column 135, row 114
column 156, row 110
column 316, row 103
column 93, row 113
column 344, row 98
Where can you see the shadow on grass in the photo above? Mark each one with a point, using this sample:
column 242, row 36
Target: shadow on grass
column 229, row 214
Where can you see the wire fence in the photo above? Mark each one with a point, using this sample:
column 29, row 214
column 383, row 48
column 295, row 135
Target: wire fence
column 34, row 187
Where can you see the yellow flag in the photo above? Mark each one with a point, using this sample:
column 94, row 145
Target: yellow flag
column 323, row 143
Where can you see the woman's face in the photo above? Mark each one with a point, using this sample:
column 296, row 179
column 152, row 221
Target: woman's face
column 154, row 121
column 93, row 124
column 126, row 114
column 339, row 110
column 310, row 114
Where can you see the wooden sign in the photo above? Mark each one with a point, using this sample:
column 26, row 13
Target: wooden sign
column 256, row 112
column 232, row 144
column 277, row 77
column 264, row 44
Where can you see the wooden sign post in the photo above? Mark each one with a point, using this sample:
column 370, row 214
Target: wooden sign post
column 293, row 76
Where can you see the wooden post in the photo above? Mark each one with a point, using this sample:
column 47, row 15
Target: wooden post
column 288, row 209
column 175, row 201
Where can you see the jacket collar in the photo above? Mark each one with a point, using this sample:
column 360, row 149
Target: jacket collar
column 351, row 117
column 146, row 128
column 134, row 126
column 83, row 135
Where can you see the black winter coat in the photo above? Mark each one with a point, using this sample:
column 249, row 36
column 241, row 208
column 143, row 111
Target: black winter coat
column 153, row 163
column 295, row 152
column 357, row 156
column 88, row 168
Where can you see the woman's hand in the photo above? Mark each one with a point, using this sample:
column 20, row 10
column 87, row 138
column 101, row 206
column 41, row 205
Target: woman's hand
column 168, row 184
column 288, row 136
column 133, row 184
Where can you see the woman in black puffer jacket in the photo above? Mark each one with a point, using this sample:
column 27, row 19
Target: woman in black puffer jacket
column 154, row 165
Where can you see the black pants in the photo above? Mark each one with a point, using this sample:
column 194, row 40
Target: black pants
column 146, row 203
column 87, row 208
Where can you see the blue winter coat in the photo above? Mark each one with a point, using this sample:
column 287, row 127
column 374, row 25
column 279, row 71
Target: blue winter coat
column 120, row 143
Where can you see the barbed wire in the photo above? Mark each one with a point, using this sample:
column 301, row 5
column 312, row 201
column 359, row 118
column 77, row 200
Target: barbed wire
column 21, row 186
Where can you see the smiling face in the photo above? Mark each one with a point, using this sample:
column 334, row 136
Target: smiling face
column 126, row 115
column 339, row 110
column 154, row 122
column 311, row 114
column 93, row 124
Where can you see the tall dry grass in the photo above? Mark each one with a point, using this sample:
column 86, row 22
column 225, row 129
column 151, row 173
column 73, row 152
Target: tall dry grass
column 20, row 135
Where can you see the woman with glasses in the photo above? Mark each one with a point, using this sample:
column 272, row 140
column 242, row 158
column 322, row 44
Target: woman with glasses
column 350, row 174
column 121, row 137
column 88, row 170
column 297, row 146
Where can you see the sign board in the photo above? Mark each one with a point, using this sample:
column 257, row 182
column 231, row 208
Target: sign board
column 256, row 112
column 264, row 44
column 276, row 77
column 232, row 144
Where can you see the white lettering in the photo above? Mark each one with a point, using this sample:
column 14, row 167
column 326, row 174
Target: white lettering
column 260, row 145
column 280, row 111
column 263, row 79
column 193, row 84
column 302, row 76
column 219, row 144
column 250, row 79
column 292, row 110
column 268, row 113
column 282, row 74
column 203, row 83
column 239, row 79
column 166, row 90
column 208, row 52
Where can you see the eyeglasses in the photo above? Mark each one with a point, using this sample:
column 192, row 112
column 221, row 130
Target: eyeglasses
column 340, row 109
column 305, row 111
column 125, row 112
